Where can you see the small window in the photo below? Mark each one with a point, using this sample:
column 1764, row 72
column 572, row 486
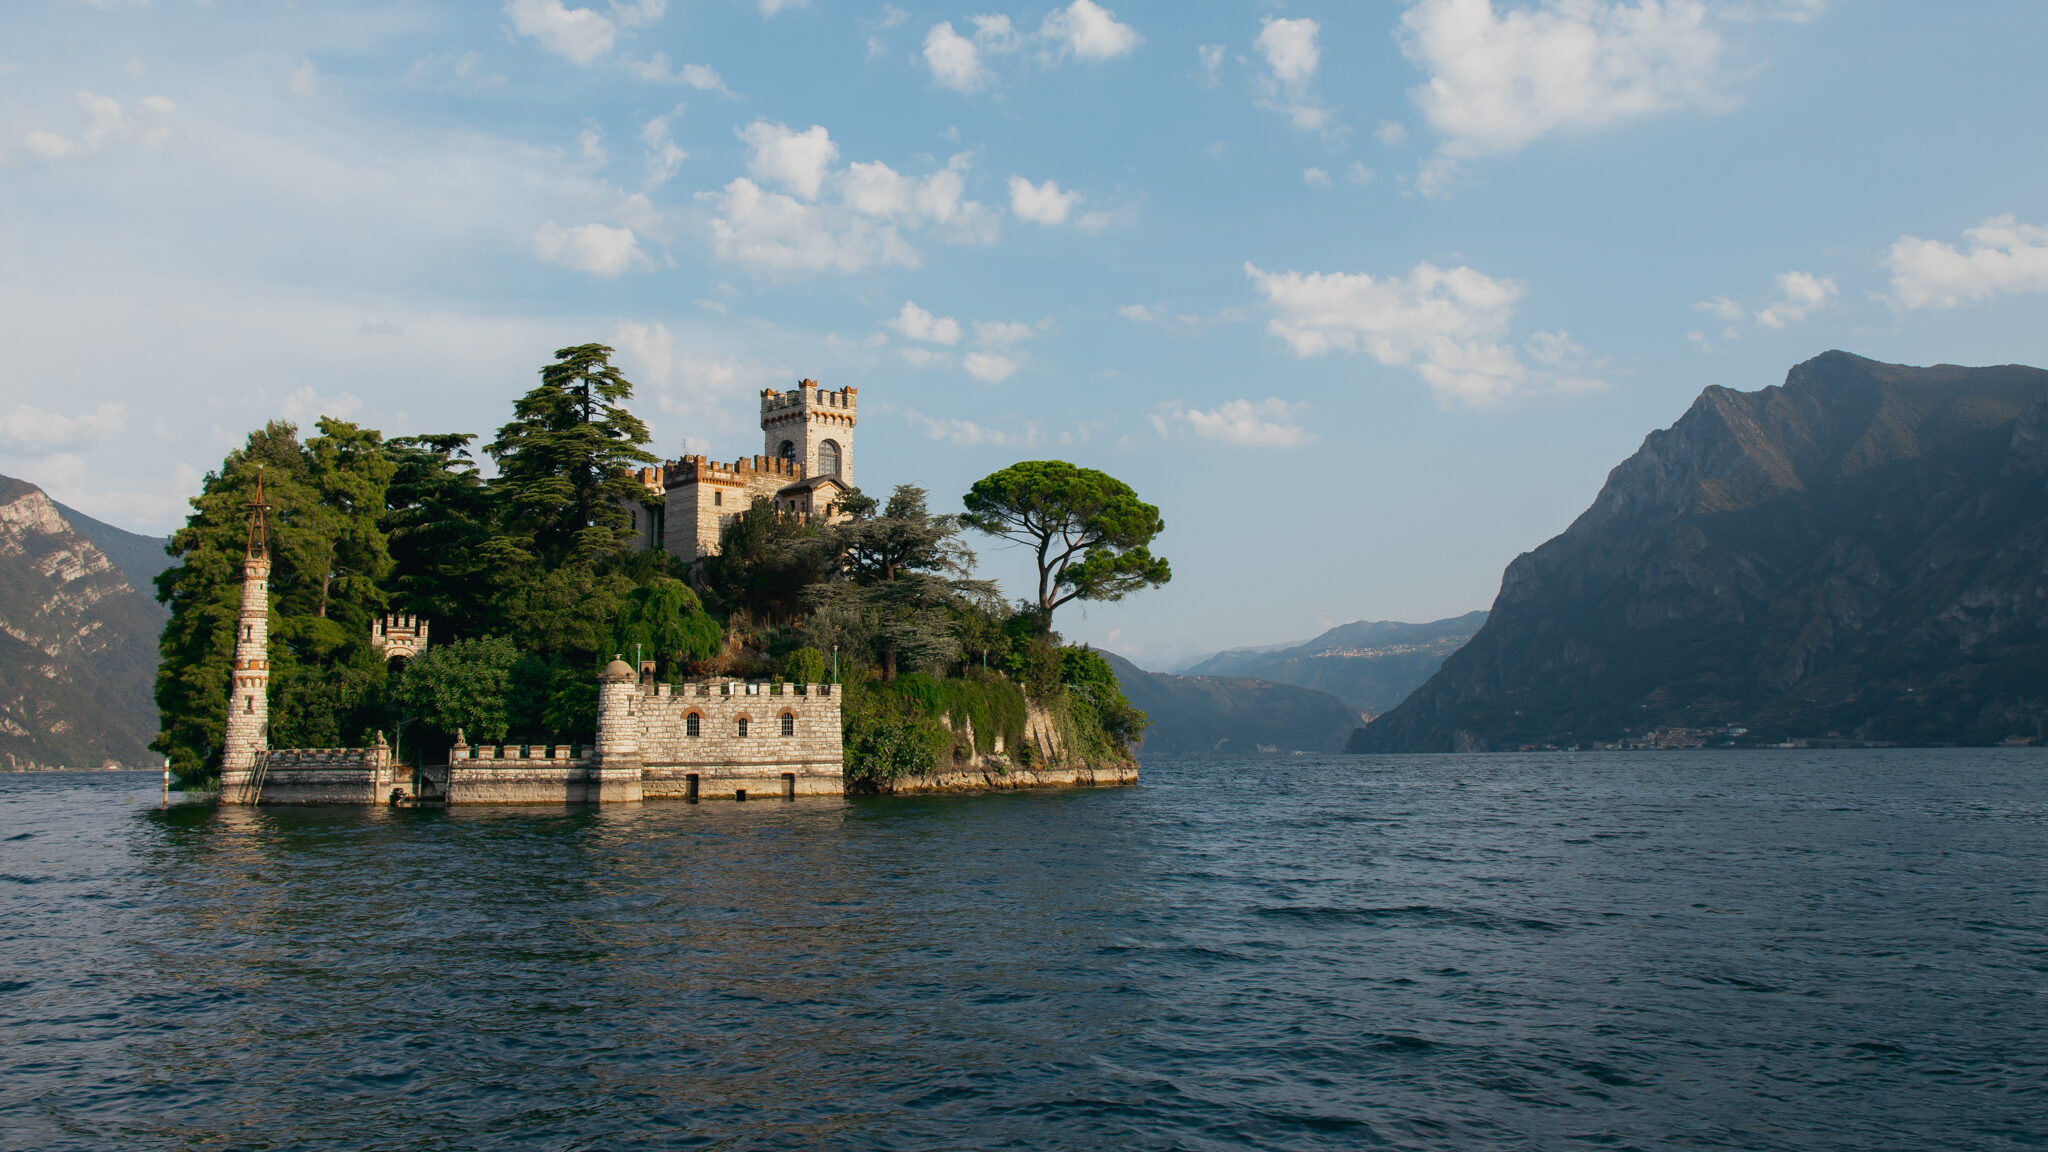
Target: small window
column 743, row 728
column 788, row 451
column 718, row 499
column 249, row 705
column 693, row 725
column 788, row 724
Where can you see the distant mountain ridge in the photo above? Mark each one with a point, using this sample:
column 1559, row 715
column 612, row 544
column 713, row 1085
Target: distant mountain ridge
column 1861, row 552
column 1370, row 664
column 78, row 641
column 1236, row 716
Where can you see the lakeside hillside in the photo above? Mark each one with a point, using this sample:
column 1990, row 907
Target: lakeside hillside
column 1370, row 664
column 1861, row 552
column 1193, row 714
column 78, row 642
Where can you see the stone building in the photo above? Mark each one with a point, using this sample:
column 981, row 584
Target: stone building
column 717, row 739
column 805, row 470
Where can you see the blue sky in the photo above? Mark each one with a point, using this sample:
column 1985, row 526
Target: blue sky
column 1366, row 297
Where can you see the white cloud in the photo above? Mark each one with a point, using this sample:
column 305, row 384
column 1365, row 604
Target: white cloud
column 923, row 357
column 1799, row 295
column 1161, row 316
column 796, row 160
column 989, row 367
column 300, row 82
column 1292, row 57
column 698, row 76
column 1211, row 56
column 917, row 324
column 29, row 428
column 105, row 122
column 1000, row 333
column 1268, row 423
column 955, row 60
column 779, row 234
column 1499, row 80
column 598, row 249
column 1315, row 178
column 664, row 158
column 2003, row 256
column 968, row 434
column 579, row 35
column 1392, row 133
column 701, row 386
column 1451, row 326
column 590, row 146
column 1089, row 31
column 305, row 407
column 1041, row 203
column 771, row 7
column 842, row 220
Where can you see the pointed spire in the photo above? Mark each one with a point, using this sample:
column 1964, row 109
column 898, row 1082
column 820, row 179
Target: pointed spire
column 259, row 536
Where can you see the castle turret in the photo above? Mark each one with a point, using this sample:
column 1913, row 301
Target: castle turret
column 615, row 775
column 247, row 734
column 812, row 428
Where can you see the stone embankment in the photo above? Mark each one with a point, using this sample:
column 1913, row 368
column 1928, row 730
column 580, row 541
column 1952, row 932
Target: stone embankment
column 1053, row 765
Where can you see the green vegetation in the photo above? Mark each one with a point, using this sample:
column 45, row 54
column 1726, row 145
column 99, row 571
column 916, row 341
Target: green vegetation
column 530, row 582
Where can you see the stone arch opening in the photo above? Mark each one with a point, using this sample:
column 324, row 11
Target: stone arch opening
column 828, row 458
column 787, row 451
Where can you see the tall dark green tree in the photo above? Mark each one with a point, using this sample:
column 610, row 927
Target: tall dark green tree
column 565, row 461
column 904, row 582
column 439, row 521
column 765, row 561
column 1089, row 533
column 328, row 562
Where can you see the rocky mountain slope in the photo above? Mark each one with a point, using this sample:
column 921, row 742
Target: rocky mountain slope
column 1235, row 716
column 78, row 643
column 1369, row 664
column 1862, row 551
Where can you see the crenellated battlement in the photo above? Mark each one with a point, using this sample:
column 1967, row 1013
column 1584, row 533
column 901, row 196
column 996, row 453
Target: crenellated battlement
column 738, row 473
column 651, row 479
column 808, row 395
column 398, row 635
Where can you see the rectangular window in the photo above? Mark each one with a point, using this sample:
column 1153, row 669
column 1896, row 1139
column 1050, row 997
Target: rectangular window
column 718, row 499
column 692, row 725
column 743, row 726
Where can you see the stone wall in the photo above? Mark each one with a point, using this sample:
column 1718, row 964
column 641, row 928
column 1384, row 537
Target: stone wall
column 329, row 776
column 809, row 761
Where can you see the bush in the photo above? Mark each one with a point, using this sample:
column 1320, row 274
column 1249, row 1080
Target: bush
column 805, row 665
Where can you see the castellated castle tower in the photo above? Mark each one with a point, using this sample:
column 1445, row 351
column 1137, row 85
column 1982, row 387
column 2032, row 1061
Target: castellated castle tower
column 806, row 471
column 247, row 734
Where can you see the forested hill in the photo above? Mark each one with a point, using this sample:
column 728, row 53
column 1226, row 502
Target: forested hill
column 78, row 640
column 1370, row 664
column 1232, row 715
column 1861, row 551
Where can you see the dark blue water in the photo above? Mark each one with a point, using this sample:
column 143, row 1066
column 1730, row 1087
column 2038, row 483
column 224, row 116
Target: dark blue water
column 1760, row 951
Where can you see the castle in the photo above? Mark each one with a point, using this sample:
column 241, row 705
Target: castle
column 805, row 470
column 702, row 740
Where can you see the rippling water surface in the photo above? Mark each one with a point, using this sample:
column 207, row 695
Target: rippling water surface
column 1707, row 950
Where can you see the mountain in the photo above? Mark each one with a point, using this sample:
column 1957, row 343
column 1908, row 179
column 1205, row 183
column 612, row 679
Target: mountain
column 1861, row 552
column 1370, row 664
column 1233, row 715
column 138, row 557
column 78, row 643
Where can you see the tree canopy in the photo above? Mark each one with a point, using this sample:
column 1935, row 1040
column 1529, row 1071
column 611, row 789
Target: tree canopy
column 565, row 460
column 1088, row 531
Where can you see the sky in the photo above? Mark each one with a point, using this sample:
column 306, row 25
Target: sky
column 1366, row 297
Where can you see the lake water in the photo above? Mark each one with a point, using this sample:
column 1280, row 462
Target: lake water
column 1784, row 950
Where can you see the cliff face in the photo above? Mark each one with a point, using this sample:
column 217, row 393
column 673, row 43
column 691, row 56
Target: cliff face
column 1862, row 551
column 78, row 644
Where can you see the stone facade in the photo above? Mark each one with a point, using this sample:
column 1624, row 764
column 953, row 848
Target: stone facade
column 246, row 735
column 805, row 470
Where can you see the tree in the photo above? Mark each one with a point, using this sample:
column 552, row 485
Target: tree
column 1088, row 530
column 464, row 685
column 906, row 579
column 666, row 622
column 764, row 562
column 438, row 517
column 565, row 461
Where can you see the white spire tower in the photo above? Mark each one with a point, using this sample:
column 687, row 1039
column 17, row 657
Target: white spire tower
column 248, row 728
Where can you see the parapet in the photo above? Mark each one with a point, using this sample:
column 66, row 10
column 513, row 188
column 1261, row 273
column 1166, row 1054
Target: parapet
column 399, row 634
column 699, row 469
column 651, row 479
column 808, row 395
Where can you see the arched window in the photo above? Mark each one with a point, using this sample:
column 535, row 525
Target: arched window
column 828, row 458
column 249, row 705
column 743, row 728
column 788, row 450
column 788, row 724
column 693, row 725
